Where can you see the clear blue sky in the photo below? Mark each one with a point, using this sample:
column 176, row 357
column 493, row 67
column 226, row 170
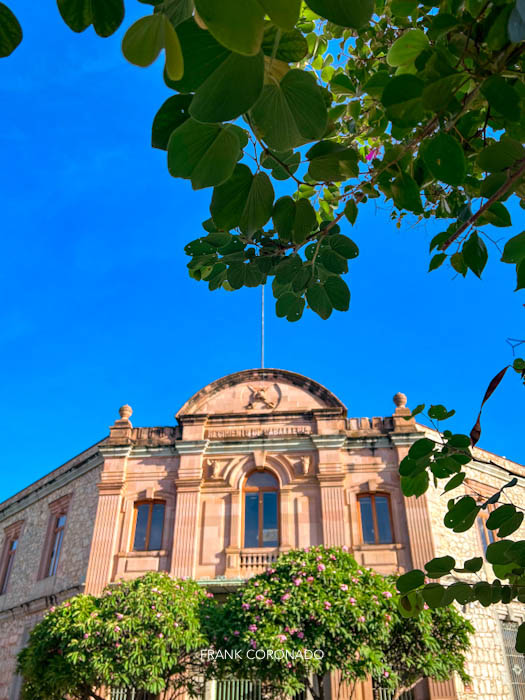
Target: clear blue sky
column 98, row 309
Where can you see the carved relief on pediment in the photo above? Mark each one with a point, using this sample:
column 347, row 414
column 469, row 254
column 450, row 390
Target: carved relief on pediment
column 304, row 466
column 214, row 469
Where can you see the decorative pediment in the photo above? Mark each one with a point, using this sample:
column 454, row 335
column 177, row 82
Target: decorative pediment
column 261, row 391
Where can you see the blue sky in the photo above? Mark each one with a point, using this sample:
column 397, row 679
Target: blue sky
column 98, row 309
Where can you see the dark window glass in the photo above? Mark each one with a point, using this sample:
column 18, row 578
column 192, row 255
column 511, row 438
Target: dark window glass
column 251, row 520
column 262, row 480
column 8, row 565
column 270, row 531
column 367, row 520
column 149, row 525
column 58, row 536
column 376, row 523
column 487, row 536
column 383, row 519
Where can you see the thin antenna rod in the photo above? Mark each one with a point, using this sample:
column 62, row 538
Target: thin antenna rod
column 262, row 326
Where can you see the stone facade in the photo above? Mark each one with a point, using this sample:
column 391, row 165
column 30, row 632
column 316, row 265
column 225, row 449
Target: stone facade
column 255, row 420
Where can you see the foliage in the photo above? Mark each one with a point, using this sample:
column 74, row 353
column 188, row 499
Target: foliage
column 142, row 633
column 319, row 611
column 418, row 103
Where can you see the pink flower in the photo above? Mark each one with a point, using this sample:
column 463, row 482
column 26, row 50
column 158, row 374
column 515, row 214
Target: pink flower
column 300, row 635
column 285, row 597
column 321, row 567
column 158, row 615
column 355, row 580
column 245, row 606
column 344, row 548
column 269, row 602
column 352, row 601
column 374, row 597
column 257, row 617
column 270, row 571
column 388, row 618
column 235, row 633
column 160, row 635
column 385, row 674
column 209, row 595
column 343, row 587
column 387, row 594
column 310, row 579
column 117, row 644
column 289, row 664
column 119, row 616
column 226, row 637
column 86, row 636
column 117, row 629
column 359, row 572
column 319, row 558
column 175, row 624
column 333, row 557
column 361, row 619
column 256, row 583
column 281, row 637
column 52, row 608
column 327, row 605
column 297, row 581
column 259, row 597
column 252, row 628
column 153, row 607
column 425, row 607
column 67, row 605
column 253, row 643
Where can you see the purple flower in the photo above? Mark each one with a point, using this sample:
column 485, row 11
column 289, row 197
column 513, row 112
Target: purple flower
column 252, row 628
column 259, row 597
column 245, row 606
column 236, row 633
column 300, row 635
column 253, row 643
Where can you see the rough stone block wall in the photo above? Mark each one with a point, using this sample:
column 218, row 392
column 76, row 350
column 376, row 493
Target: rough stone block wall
column 27, row 597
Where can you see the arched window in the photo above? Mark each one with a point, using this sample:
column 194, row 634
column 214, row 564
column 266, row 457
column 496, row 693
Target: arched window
column 148, row 525
column 376, row 518
column 261, row 510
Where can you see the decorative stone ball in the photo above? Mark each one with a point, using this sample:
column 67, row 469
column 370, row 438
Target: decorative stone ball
column 400, row 400
column 125, row 412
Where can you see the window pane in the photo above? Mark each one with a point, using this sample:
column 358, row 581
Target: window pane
column 61, row 521
column 14, row 545
column 483, row 534
column 270, row 526
column 141, row 527
column 383, row 519
column 263, row 479
column 251, row 520
column 367, row 520
column 55, row 553
column 157, row 523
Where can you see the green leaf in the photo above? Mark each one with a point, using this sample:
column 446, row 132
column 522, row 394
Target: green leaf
column 245, row 200
column 332, row 162
column 511, row 525
column 349, row 13
column 410, row 581
column 332, row 261
column 10, row 31
column 291, row 46
column 497, row 215
column 105, row 15
column 342, row 85
column 421, row 448
column 500, row 515
column 439, row 412
column 459, row 441
column 520, row 639
column 440, row 566
column 291, row 113
column 403, row 8
column 514, row 250
column 284, row 216
column 520, row 274
column 290, row 305
column 145, row 39
column 407, row 48
column 436, row 261
column 433, row 594
column 319, row 301
column 456, row 481
column 205, row 153
column 236, row 24
column 406, row 194
column 338, row 293
column 501, row 155
column 461, row 592
column 305, row 220
column 402, row 98
column 445, row 159
column 283, row 13
column 483, row 593
column 415, row 485
column 171, row 115
column 475, row 254
column 462, row 514
column 473, row 565
column 502, row 97
column 344, row 246
column 351, row 211
column 236, row 275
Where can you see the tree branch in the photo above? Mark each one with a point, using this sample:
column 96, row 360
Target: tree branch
column 472, row 219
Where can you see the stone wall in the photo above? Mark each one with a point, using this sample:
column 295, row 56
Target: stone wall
column 27, row 597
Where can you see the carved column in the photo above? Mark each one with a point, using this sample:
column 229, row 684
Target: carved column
column 331, row 483
column 187, row 506
column 106, row 531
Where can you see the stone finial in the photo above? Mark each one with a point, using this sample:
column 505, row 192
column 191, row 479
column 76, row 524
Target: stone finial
column 125, row 412
column 400, row 400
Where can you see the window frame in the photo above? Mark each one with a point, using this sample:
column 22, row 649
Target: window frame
column 372, row 495
column 12, row 534
column 482, row 518
column 261, row 490
column 57, row 535
column 58, row 509
column 149, row 502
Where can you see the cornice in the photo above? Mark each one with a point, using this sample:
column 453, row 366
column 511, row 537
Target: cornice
column 329, row 442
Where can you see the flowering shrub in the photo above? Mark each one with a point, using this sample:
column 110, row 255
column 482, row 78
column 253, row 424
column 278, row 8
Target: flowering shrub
column 318, row 611
column 141, row 633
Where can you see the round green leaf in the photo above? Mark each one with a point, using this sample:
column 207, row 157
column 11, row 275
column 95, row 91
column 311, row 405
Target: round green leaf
column 332, row 162
column 10, row 31
column 347, row 13
column 501, row 155
column 502, row 97
column 319, row 301
column 258, row 206
column 291, row 46
column 410, row 581
column 445, row 159
column 290, row 113
column 406, row 194
column 284, row 13
column 338, row 293
column 171, row 115
column 305, row 220
column 440, row 566
column 284, row 216
column 407, row 48
column 145, row 39
column 433, row 594
column 236, row 24
column 344, row 246
column 475, row 254
column 402, row 97
column 514, row 250
column 204, row 153
column 105, row 15
column 229, row 199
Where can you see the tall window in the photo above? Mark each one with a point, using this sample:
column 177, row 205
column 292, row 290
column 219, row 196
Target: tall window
column 376, row 518
column 515, row 660
column 57, row 537
column 261, row 510
column 487, row 536
column 12, row 545
column 149, row 525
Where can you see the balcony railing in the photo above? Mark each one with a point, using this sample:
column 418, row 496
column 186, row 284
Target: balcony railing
column 256, row 560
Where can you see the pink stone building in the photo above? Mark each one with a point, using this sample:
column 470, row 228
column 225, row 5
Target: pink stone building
column 258, row 462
